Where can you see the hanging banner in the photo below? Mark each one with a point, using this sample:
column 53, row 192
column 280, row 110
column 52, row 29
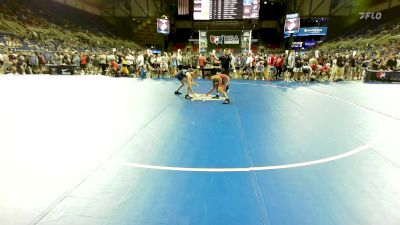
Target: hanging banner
column 246, row 41
column 203, row 43
column 163, row 26
column 292, row 24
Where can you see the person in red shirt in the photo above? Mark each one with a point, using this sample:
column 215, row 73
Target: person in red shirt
column 315, row 72
column 325, row 71
column 279, row 65
column 84, row 60
column 114, row 68
column 271, row 65
column 220, row 82
column 202, row 64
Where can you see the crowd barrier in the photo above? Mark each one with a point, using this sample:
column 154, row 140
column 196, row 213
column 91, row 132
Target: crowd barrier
column 383, row 76
column 62, row 69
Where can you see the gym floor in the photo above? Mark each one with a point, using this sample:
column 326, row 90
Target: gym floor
column 95, row 150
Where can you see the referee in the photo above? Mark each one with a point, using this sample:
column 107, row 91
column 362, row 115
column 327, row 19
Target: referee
column 225, row 60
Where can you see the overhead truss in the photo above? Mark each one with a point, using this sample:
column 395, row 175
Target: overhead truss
column 135, row 9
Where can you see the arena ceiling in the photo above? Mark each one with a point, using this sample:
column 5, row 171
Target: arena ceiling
column 155, row 8
column 333, row 8
column 135, row 16
column 120, row 8
column 102, row 3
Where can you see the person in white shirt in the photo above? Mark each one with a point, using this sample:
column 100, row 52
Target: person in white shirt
column 140, row 60
column 165, row 64
column 335, row 69
column 158, row 59
column 164, row 70
column 110, row 57
column 103, row 62
column 179, row 60
column 139, row 63
column 259, row 70
column 165, row 58
column 250, row 63
column 233, row 63
column 398, row 62
column 289, row 67
column 129, row 61
column 173, row 64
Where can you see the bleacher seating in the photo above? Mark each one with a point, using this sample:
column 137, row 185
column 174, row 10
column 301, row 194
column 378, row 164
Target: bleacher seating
column 51, row 27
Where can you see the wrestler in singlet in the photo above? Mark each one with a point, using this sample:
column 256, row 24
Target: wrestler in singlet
column 225, row 80
column 219, row 83
column 181, row 74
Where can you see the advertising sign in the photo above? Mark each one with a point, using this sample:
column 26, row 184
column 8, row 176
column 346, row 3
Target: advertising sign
column 310, row 31
column 224, row 39
column 309, row 44
column 297, row 44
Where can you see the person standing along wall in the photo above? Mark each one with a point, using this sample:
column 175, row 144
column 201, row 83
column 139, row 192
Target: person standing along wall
column 201, row 63
column 279, row 65
column 225, row 60
column 179, row 60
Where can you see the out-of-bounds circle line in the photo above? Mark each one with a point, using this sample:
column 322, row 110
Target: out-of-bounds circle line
column 262, row 168
column 249, row 169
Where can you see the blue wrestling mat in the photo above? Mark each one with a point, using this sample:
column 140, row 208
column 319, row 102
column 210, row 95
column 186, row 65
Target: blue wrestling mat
column 104, row 151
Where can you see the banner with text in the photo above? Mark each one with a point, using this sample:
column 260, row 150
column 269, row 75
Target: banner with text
column 310, row 31
column 223, row 39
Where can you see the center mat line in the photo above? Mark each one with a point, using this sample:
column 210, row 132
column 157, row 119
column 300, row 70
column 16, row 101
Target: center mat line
column 255, row 181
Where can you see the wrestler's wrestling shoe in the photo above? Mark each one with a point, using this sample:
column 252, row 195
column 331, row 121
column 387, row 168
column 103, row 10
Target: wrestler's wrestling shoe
column 188, row 97
column 177, row 93
column 216, row 97
column 227, row 101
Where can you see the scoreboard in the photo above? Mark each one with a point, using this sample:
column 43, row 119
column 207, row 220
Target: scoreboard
column 226, row 9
